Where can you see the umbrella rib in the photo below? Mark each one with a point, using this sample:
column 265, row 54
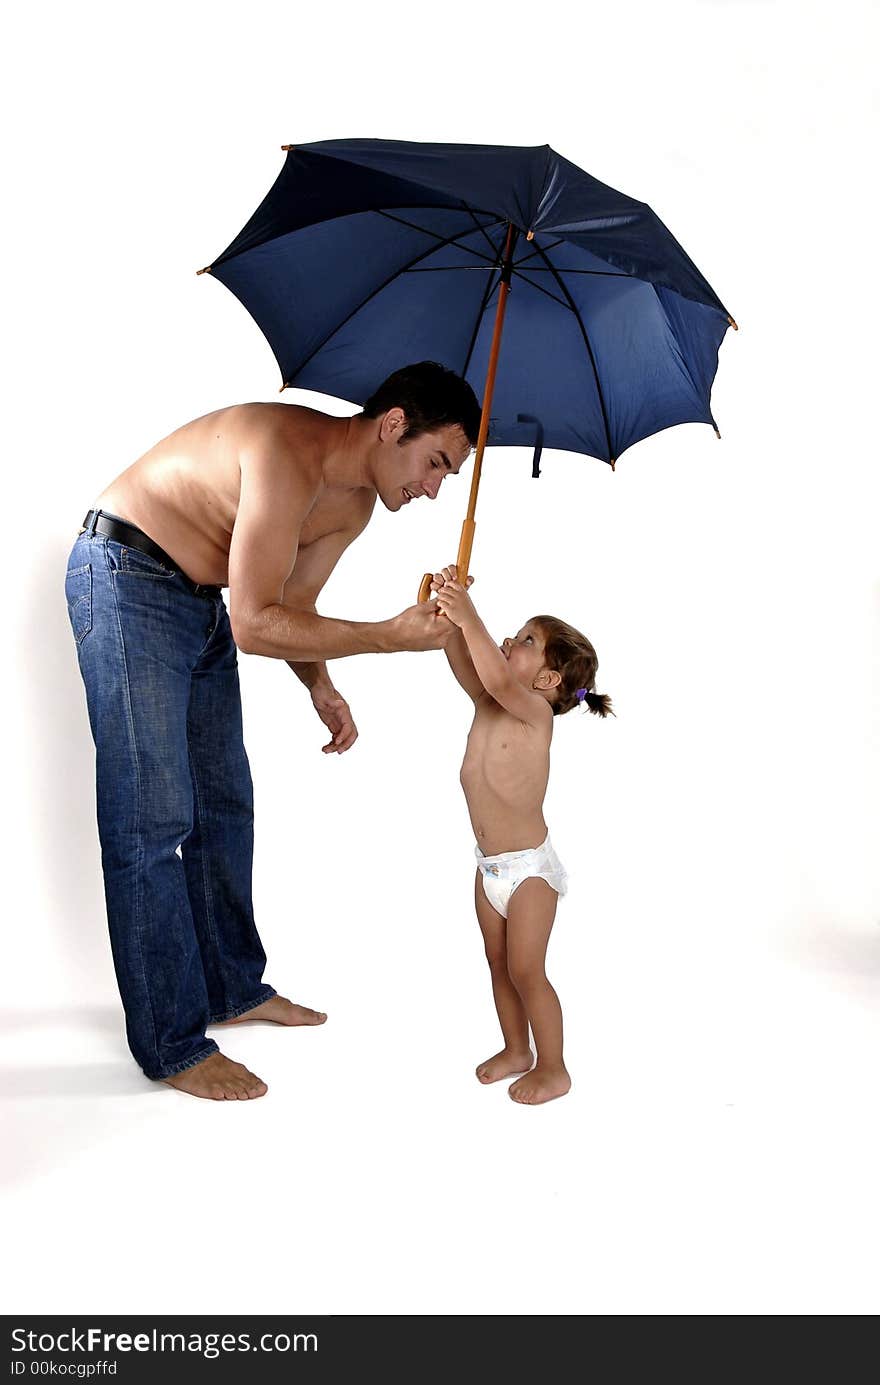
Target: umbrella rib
column 539, row 289
column 572, row 305
column 545, row 250
column 537, row 251
column 490, row 289
column 449, row 240
column 599, row 273
column 391, row 277
column 479, row 269
column 668, row 320
column 480, row 227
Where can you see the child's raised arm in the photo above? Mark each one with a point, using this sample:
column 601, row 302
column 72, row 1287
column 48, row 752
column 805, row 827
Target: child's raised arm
column 456, row 649
column 489, row 663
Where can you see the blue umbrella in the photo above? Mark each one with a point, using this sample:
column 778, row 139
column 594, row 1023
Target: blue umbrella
column 366, row 254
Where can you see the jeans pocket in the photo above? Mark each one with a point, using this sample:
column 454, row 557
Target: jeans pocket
column 141, row 564
column 78, row 591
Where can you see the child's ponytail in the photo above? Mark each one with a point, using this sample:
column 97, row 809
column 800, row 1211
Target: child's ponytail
column 599, row 703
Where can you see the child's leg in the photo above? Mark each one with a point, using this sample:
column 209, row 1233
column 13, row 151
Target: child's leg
column 530, row 916
column 516, row 1056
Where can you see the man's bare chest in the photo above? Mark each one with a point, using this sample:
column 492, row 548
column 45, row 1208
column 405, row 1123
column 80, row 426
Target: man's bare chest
column 331, row 512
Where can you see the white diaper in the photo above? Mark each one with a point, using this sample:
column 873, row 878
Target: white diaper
column 501, row 874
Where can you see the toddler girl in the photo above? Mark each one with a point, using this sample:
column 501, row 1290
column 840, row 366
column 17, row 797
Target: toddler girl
column 544, row 671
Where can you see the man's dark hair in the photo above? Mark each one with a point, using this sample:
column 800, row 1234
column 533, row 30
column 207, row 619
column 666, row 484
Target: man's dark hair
column 431, row 396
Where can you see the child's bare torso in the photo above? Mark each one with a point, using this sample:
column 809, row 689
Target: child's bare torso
column 504, row 776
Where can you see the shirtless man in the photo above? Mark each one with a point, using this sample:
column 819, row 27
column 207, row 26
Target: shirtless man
column 262, row 499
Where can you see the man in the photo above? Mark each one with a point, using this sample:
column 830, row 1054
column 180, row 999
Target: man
column 264, row 499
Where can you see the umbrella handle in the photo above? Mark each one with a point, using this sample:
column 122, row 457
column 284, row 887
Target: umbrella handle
column 462, row 562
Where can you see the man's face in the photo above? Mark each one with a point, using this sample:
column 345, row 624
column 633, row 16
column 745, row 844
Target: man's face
column 416, row 467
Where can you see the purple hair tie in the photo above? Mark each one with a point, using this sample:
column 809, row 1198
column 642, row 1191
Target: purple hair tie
column 581, row 694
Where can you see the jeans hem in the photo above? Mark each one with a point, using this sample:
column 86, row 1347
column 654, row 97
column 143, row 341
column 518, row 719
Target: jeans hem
column 265, row 993
column 203, row 1053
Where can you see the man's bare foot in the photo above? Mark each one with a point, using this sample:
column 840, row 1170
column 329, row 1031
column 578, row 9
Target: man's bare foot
column 541, row 1084
column 218, row 1079
column 505, row 1064
column 277, row 1010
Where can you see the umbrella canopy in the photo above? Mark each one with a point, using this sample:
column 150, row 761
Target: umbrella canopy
column 369, row 254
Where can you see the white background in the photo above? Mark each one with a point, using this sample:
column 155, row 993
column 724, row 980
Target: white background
column 717, row 955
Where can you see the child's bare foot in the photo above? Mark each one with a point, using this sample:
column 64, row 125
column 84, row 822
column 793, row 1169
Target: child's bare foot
column 277, row 1010
column 541, row 1084
column 505, row 1064
column 218, row 1079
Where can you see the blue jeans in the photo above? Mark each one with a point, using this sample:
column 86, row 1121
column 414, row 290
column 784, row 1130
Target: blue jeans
column 174, row 795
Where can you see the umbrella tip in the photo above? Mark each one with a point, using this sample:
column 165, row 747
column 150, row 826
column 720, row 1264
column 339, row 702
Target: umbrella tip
column 732, row 323
column 206, row 270
column 530, row 235
column 284, row 387
column 286, row 148
column 612, row 460
column 717, row 433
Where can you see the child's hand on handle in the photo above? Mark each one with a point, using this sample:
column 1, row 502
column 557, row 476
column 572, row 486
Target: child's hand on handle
column 448, row 574
column 453, row 600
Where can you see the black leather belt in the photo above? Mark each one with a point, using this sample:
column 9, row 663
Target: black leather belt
column 120, row 530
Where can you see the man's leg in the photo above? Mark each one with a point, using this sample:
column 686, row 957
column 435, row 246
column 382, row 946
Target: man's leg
column 218, row 853
column 138, row 635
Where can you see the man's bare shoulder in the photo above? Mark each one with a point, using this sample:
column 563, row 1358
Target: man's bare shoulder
column 304, row 428
column 280, row 435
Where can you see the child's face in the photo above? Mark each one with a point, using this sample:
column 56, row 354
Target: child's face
column 525, row 653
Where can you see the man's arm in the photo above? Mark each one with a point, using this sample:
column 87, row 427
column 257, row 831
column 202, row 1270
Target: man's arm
column 301, row 590
column 274, row 501
column 314, row 565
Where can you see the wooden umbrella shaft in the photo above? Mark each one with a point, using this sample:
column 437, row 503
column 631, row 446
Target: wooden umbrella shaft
column 467, row 529
column 466, row 541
